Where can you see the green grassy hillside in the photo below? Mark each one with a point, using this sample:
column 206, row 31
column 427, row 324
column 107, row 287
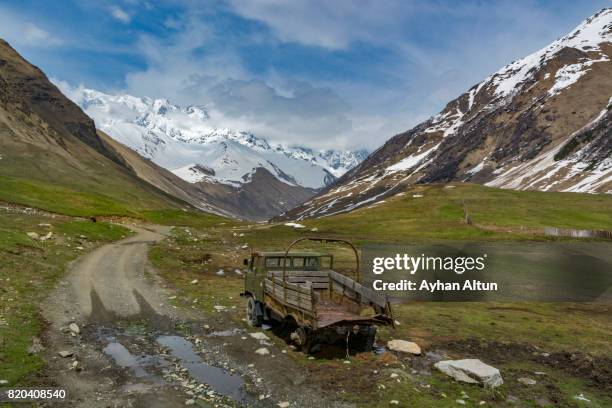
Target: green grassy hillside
column 435, row 211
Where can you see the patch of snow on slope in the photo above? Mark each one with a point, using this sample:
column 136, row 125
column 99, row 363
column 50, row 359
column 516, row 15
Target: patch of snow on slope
column 586, row 37
column 570, row 74
column 409, row 162
column 477, row 168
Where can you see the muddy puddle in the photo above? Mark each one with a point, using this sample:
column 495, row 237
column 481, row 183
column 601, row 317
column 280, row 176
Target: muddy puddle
column 166, row 358
column 229, row 385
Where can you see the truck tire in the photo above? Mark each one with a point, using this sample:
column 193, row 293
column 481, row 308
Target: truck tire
column 303, row 339
column 254, row 316
column 363, row 341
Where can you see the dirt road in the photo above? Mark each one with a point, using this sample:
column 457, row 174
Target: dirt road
column 110, row 281
column 104, row 287
column 133, row 349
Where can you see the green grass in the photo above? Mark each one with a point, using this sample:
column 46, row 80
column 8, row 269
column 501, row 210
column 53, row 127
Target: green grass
column 28, row 270
column 184, row 218
column 498, row 215
column 69, row 201
column 63, row 200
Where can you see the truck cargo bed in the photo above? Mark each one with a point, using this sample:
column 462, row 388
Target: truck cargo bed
column 328, row 297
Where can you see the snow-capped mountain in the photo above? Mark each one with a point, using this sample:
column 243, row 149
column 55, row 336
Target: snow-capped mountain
column 182, row 140
column 543, row 122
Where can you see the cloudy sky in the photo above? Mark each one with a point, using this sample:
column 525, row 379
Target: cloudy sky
column 342, row 74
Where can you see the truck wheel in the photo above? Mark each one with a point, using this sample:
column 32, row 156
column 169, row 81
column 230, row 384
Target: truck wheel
column 363, row 341
column 302, row 339
column 253, row 313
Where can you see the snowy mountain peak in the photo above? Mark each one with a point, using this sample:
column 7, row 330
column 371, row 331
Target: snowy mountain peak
column 539, row 123
column 184, row 140
column 587, row 37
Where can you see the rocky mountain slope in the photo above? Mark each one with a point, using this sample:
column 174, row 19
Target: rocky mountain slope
column 51, row 153
column 541, row 123
column 240, row 171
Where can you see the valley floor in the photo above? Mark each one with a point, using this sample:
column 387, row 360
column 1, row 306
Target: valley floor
column 161, row 323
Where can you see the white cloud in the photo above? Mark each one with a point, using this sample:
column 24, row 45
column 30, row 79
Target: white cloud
column 20, row 31
column 120, row 15
column 34, row 34
column 288, row 111
column 427, row 66
column 328, row 24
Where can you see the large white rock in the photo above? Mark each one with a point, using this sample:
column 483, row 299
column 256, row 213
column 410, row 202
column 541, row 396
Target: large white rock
column 471, row 370
column 404, row 346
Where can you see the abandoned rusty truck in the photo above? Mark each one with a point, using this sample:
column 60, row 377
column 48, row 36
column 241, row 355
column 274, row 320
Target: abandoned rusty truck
column 319, row 305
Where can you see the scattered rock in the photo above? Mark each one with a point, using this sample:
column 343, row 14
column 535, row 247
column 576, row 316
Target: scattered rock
column 396, row 373
column 65, row 353
column 404, row 346
column 74, row 328
column 80, row 248
column 262, row 351
column 75, row 366
column 417, row 195
column 46, row 237
column 3, row 382
column 219, row 308
column 193, row 282
column 581, row 397
column 284, row 404
column 44, row 225
column 33, row 235
column 245, row 246
column 36, row 346
column 220, row 272
column 394, row 402
column 259, row 336
column 315, row 229
column 460, row 401
column 238, row 272
column 190, row 402
column 472, row 371
column 527, row 381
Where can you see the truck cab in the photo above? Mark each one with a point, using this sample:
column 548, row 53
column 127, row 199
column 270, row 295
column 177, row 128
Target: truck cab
column 260, row 263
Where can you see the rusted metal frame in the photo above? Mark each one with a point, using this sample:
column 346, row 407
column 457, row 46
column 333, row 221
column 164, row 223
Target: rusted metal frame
column 323, row 240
